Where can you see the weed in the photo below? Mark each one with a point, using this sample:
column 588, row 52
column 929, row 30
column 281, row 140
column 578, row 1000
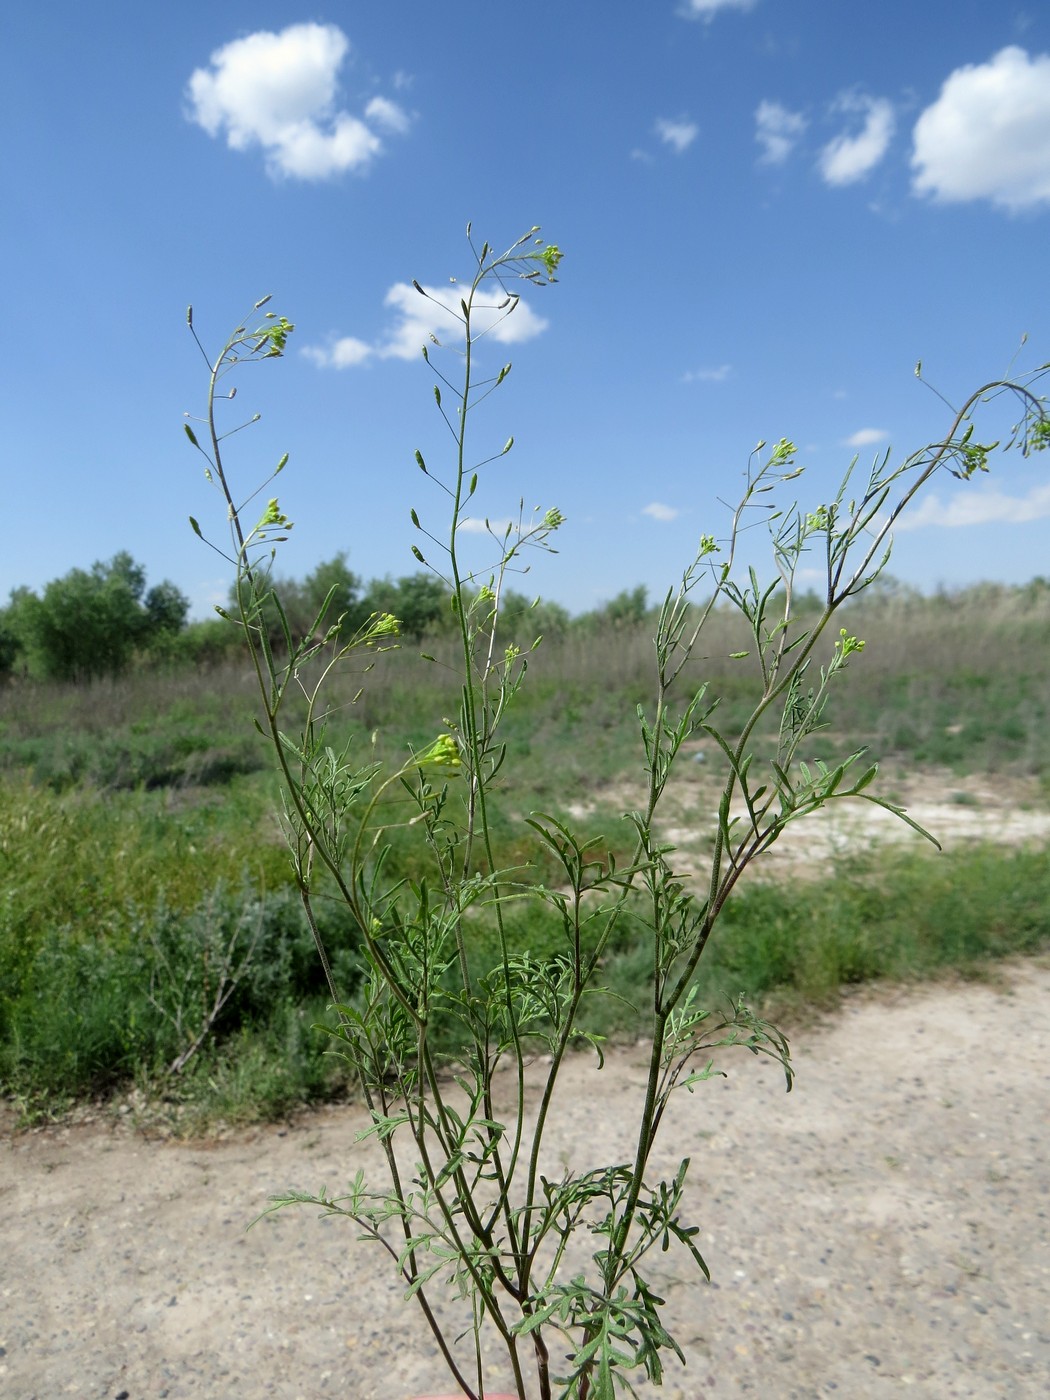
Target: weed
column 477, row 1218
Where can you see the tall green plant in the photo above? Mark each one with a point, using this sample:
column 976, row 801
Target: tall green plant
column 476, row 1215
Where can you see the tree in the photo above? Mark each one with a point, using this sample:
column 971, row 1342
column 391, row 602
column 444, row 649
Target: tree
column 627, row 610
column 166, row 610
column 302, row 600
column 91, row 622
column 420, row 602
column 9, row 646
column 335, row 577
column 524, row 619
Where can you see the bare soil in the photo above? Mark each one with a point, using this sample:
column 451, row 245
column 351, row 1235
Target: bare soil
column 884, row 1230
column 956, row 809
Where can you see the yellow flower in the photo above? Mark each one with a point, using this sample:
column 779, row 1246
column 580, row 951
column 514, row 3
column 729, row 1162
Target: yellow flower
column 443, row 753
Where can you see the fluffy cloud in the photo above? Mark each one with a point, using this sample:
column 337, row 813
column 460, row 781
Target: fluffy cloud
column 979, row 508
column 388, row 115
column 278, row 91
column 680, row 134
column 988, row 134
column 865, row 437
column 718, row 375
column 656, row 510
column 707, row 9
column 850, row 157
column 421, row 320
column 471, row 526
column 341, row 354
column 777, row 131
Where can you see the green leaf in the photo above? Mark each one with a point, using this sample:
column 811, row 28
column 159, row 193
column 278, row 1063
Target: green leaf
column 864, row 781
column 902, row 814
column 190, row 434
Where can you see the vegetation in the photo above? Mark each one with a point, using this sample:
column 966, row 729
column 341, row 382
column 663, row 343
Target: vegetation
column 153, row 932
column 498, row 925
column 115, row 903
column 958, row 680
column 100, row 623
column 90, row 623
column 131, row 807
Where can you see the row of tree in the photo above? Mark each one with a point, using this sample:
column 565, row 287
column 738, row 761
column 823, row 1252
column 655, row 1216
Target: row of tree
column 89, row 623
column 98, row 622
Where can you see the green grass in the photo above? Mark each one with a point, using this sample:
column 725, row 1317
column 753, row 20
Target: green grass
column 92, row 1009
column 900, row 918
column 904, row 918
column 960, row 681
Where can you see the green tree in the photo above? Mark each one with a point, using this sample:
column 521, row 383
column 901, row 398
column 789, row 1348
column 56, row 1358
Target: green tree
column 166, row 610
column 9, row 646
column 421, row 603
column 301, row 601
column 627, row 609
column 523, row 619
column 91, row 622
column 335, row 577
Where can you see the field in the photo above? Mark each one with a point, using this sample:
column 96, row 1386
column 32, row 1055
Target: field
column 152, row 946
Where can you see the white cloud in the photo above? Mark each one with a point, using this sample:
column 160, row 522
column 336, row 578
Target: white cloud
column 656, row 510
column 979, row 508
column 865, row 437
column 278, row 91
column 437, row 314
column 341, row 354
column 988, row 134
column 708, row 376
column 420, row 320
column 470, row 526
column 851, row 157
column 707, row 9
column 777, row 131
column 680, row 134
column 388, row 115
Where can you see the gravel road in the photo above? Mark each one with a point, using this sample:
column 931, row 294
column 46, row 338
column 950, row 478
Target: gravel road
column 884, row 1230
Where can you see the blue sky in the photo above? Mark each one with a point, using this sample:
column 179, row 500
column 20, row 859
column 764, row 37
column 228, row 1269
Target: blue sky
column 769, row 209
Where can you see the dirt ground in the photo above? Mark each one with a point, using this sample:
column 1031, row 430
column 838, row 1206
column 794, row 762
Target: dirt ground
column 957, row 809
column 884, row 1230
